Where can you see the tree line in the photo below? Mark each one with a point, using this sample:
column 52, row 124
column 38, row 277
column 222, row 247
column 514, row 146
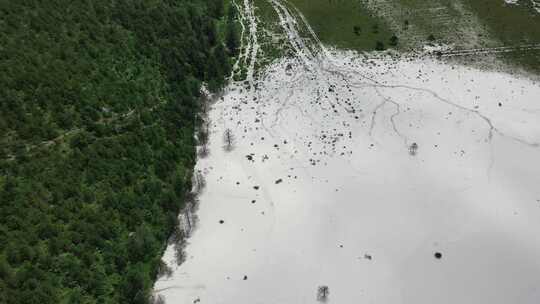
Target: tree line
column 99, row 101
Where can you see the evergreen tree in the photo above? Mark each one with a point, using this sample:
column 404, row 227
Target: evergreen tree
column 231, row 38
column 394, row 40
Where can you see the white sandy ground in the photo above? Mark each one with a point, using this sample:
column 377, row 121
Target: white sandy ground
column 336, row 129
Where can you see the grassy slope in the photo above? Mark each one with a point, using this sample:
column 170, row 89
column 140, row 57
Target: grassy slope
column 464, row 23
column 512, row 25
column 444, row 19
column 334, row 21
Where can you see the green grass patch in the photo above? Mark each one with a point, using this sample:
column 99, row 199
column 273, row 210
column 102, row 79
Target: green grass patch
column 345, row 24
column 512, row 25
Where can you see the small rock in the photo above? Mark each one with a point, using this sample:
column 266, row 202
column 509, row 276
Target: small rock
column 438, row 255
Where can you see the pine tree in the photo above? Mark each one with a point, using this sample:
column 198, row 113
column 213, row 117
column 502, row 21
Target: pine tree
column 231, row 38
column 394, row 40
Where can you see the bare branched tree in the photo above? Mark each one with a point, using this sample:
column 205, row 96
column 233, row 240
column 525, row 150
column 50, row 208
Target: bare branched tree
column 198, row 182
column 177, row 240
column 205, row 101
column 157, row 299
column 203, row 136
column 322, row 293
column 204, row 151
column 228, row 138
column 164, row 270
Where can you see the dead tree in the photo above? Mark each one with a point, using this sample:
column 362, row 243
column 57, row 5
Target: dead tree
column 164, row 270
column 157, row 299
column 199, row 182
column 228, row 138
column 203, row 137
column 203, row 151
column 322, row 293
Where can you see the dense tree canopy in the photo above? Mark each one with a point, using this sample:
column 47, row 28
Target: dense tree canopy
column 98, row 106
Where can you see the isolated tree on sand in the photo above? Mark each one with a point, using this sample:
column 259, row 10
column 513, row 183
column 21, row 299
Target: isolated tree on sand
column 413, row 149
column 322, row 293
column 228, row 138
column 203, row 137
column 203, row 151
